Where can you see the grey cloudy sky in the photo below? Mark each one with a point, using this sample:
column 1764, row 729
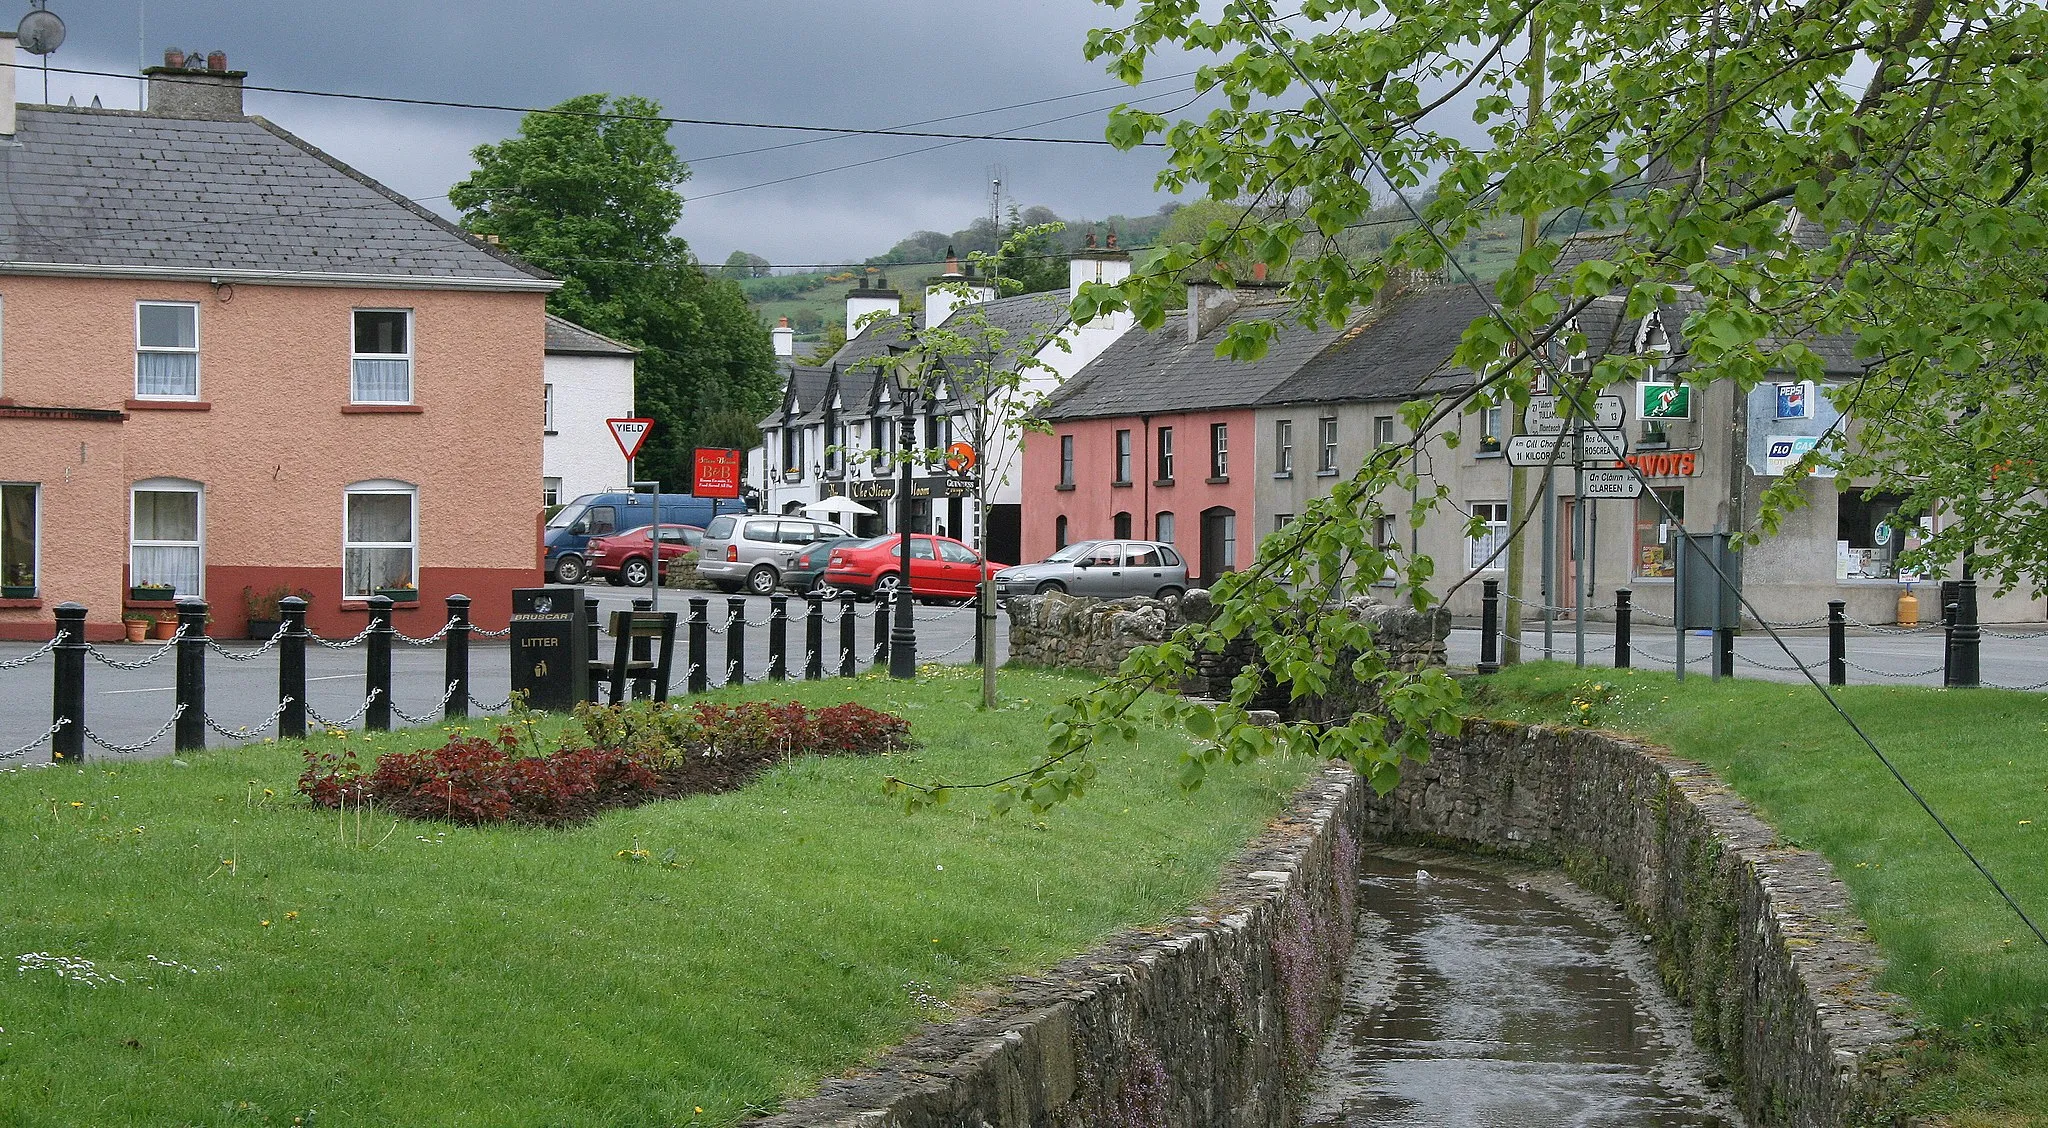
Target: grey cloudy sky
column 881, row 63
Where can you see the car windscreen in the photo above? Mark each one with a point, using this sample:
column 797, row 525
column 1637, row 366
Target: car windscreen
column 568, row 515
column 871, row 542
column 1071, row 553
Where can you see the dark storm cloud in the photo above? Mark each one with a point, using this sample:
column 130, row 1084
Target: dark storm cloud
column 878, row 64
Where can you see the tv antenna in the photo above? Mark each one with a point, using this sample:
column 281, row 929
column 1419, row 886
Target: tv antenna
column 41, row 33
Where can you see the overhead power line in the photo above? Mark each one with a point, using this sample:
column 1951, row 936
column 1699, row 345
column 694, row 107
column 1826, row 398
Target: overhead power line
column 842, row 131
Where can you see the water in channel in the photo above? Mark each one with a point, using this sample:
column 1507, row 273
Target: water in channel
column 1482, row 1001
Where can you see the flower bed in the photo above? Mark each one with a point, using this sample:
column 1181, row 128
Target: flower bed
column 633, row 755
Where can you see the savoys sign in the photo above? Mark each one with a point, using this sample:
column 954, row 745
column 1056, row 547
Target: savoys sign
column 1546, row 415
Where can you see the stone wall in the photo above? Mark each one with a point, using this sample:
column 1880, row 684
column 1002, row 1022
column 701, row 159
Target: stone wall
column 1057, row 629
column 1203, row 1022
column 1757, row 938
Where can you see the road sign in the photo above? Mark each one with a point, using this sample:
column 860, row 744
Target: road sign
column 718, row 473
column 1545, row 414
column 1596, row 484
column 629, row 434
column 960, row 457
column 1601, row 447
column 1664, row 401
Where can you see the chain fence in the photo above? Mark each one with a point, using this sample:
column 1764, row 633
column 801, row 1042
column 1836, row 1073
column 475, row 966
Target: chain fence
column 432, row 638
column 250, row 731
column 431, row 715
column 249, row 656
column 347, row 721
column 132, row 749
column 32, row 745
column 115, row 663
column 31, row 656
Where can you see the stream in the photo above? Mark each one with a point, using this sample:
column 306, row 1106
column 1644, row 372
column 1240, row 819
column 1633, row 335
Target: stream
column 1503, row 1001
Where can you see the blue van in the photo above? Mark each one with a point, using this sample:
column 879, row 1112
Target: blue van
column 602, row 514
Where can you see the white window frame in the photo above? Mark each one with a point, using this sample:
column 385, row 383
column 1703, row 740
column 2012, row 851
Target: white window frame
column 1164, row 526
column 1122, row 459
column 1283, row 448
column 380, row 486
column 170, row 485
column 1326, row 444
column 1219, row 451
column 1165, row 459
column 164, row 350
column 547, row 406
column 545, row 487
column 1382, row 431
column 411, row 350
column 1477, row 550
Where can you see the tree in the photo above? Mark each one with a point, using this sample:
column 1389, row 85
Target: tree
column 1903, row 137
column 589, row 192
column 740, row 264
column 829, row 342
column 1030, row 260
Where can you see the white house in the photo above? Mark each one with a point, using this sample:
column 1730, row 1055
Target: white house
column 835, row 417
column 589, row 379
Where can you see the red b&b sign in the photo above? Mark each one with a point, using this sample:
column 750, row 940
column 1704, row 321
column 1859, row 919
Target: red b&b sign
column 718, row 473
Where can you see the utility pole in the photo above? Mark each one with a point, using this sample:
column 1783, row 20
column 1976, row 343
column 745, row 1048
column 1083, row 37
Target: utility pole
column 1518, row 478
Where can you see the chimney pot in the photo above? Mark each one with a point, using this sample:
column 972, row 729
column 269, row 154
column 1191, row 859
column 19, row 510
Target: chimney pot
column 1258, row 272
column 174, row 58
column 217, row 61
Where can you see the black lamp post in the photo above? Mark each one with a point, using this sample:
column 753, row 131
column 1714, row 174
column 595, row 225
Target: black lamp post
column 903, row 635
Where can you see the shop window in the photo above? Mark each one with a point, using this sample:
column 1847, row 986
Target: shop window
column 1869, row 535
column 1480, row 551
column 20, row 523
column 1658, row 533
column 380, row 538
column 164, row 536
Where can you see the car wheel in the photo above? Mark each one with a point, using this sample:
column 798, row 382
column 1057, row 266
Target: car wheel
column 726, row 586
column 762, row 580
column 570, row 570
column 1169, row 596
column 634, row 572
column 1050, row 586
column 886, row 585
column 613, row 579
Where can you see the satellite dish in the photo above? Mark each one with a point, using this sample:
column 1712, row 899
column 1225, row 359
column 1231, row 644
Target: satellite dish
column 41, row 32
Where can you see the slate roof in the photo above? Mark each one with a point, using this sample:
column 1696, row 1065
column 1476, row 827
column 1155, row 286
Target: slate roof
column 1157, row 372
column 1389, row 353
column 238, row 197
column 566, row 338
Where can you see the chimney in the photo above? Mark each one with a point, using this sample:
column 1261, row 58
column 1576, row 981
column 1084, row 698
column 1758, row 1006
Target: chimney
column 1091, row 263
column 201, row 87
column 864, row 300
column 6, row 84
column 951, row 290
column 784, row 338
column 1208, row 305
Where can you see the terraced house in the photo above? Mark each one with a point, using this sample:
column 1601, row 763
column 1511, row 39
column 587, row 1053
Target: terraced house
column 229, row 363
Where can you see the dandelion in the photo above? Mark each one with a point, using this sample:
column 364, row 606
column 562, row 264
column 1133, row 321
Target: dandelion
column 267, row 793
column 266, row 924
column 291, row 914
column 75, row 803
column 700, row 1109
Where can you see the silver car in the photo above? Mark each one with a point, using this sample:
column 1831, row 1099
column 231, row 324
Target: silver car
column 751, row 551
column 1105, row 569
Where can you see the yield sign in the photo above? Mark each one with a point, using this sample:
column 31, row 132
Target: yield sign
column 629, row 434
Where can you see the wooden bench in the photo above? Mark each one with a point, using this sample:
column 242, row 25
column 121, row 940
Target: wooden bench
column 643, row 673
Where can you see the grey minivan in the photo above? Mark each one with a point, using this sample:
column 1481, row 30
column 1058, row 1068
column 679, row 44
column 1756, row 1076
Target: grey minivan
column 1105, row 569
column 752, row 552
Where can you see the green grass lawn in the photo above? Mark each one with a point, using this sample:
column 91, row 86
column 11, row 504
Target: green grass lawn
column 277, row 962
column 1980, row 758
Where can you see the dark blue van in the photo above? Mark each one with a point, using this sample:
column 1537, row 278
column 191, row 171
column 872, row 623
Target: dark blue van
column 602, row 514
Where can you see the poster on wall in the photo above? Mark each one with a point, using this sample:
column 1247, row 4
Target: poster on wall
column 1785, row 451
column 1795, row 401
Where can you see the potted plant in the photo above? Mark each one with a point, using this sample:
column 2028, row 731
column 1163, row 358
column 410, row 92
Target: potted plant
column 164, row 626
column 264, row 613
column 20, row 582
column 137, row 624
column 153, row 593
column 400, row 593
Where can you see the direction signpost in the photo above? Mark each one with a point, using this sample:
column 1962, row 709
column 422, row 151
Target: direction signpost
column 1603, row 448
column 1619, row 485
column 1547, row 415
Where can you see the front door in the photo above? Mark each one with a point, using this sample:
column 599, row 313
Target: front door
column 1566, row 597
column 1219, row 543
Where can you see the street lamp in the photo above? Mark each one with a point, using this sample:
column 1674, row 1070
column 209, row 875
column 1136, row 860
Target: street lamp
column 903, row 634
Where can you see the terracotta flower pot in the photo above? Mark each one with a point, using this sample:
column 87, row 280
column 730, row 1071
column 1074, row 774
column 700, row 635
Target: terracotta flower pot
column 163, row 629
column 138, row 629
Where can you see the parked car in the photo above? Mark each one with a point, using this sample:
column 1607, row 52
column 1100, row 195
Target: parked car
column 806, row 571
column 754, row 551
column 940, row 567
column 1105, row 569
column 567, row 536
column 623, row 558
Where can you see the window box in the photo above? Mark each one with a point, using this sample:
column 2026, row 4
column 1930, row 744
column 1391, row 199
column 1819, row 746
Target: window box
column 152, row 593
column 17, row 591
column 400, row 595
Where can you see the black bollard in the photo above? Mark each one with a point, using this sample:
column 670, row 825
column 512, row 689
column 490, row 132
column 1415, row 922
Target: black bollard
column 700, row 656
column 1489, row 627
column 67, row 697
column 1623, row 613
column 980, row 628
column 191, row 687
column 883, row 604
column 1838, row 642
column 377, row 718
column 643, row 651
column 735, row 640
column 1724, row 649
column 455, row 670
column 846, row 635
column 291, row 669
column 593, row 631
column 814, row 637
column 1964, row 640
column 778, row 637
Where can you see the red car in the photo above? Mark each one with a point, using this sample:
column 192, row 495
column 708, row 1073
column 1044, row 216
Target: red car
column 622, row 558
column 940, row 567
